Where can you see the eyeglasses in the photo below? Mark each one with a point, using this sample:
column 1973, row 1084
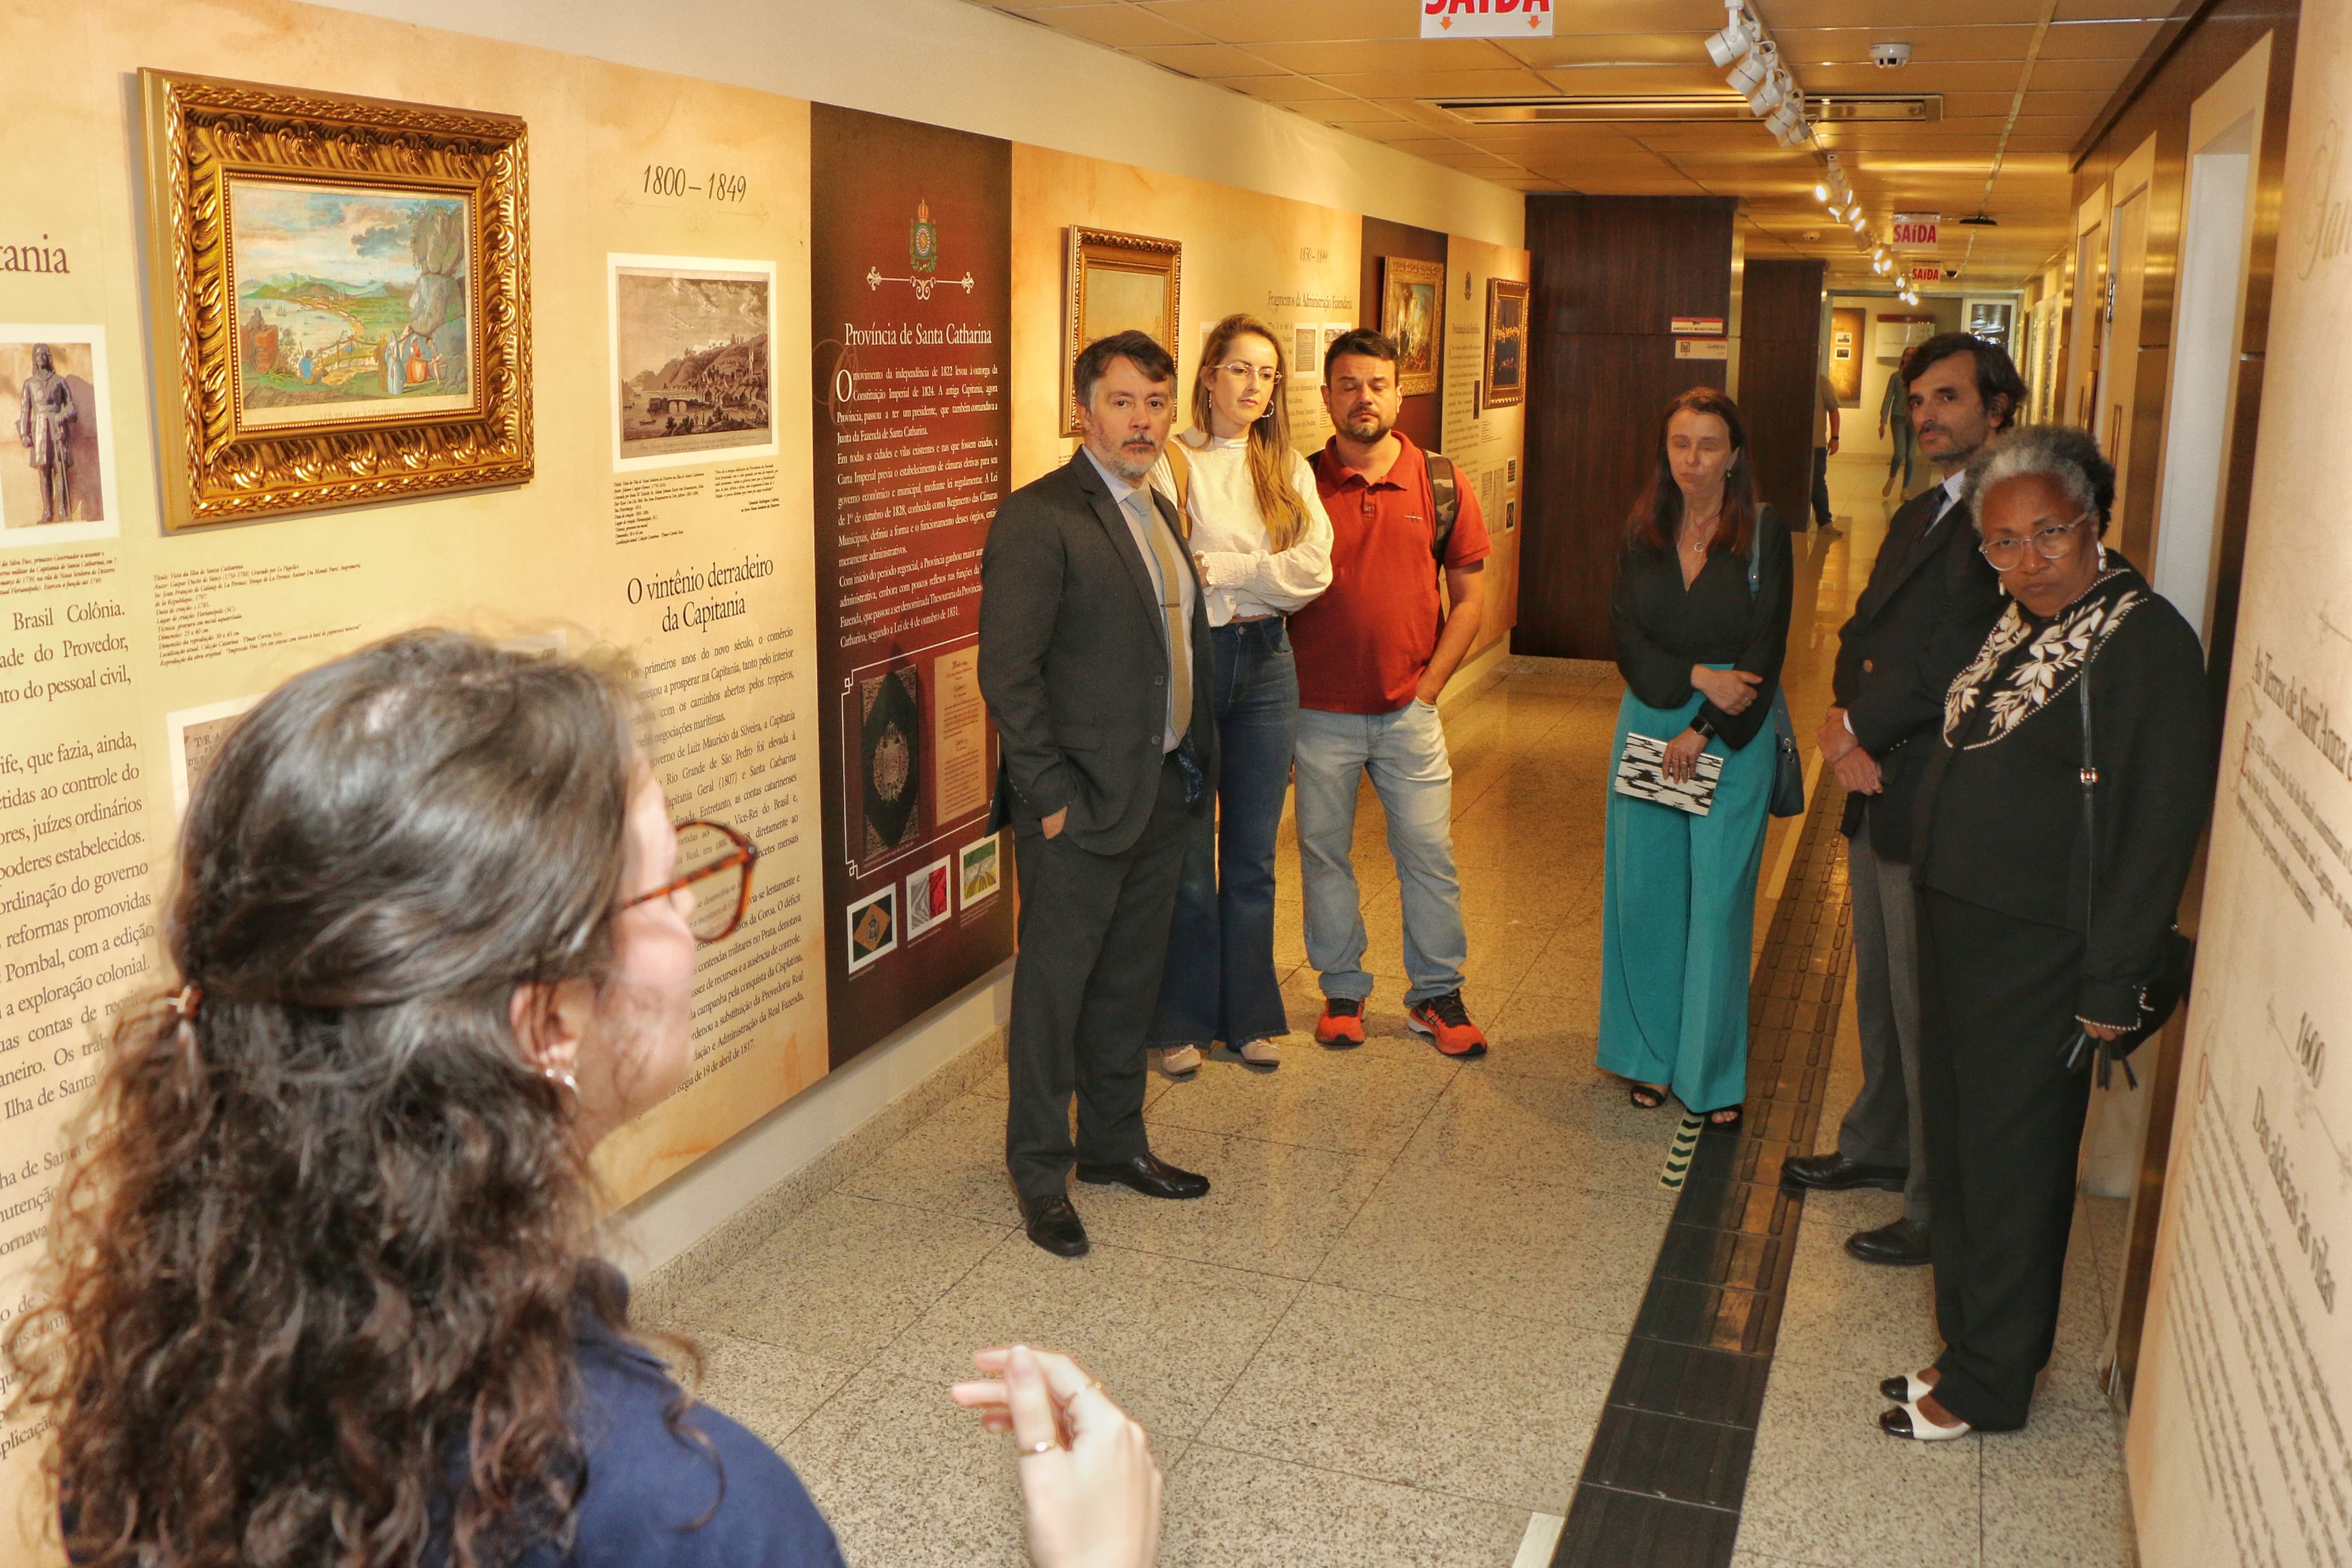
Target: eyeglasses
column 717, row 862
column 2052, row 543
column 1243, row 370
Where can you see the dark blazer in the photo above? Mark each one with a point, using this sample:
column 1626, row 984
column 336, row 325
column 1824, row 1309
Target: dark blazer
column 2000, row 821
column 1919, row 620
column 1074, row 662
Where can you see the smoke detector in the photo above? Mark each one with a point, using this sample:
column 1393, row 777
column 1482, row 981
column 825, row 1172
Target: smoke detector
column 1887, row 57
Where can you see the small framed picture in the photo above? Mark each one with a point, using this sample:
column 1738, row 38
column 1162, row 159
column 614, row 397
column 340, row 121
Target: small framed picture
column 1507, row 342
column 930, row 898
column 1118, row 282
column 873, row 924
column 1412, row 317
column 981, row 870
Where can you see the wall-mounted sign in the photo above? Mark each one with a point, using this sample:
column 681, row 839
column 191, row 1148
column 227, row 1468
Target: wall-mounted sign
column 1695, row 325
column 1914, row 231
column 1927, row 275
column 1486, row 18
column 1701, row 348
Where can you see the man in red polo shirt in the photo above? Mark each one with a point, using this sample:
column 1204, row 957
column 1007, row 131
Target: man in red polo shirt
column 1373, row 653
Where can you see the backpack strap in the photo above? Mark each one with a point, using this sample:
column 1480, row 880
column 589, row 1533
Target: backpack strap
column 1446, row 501
column 1180, row 469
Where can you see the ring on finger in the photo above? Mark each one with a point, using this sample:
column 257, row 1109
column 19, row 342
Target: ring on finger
column 1031, row 1451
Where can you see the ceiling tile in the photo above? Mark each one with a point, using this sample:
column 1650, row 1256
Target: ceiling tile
column 1386, row 55
column 1115, row 26
column 1511, row 83
column 1256, row 21
column 1205, row 59
column 1290, row 89
column 2099, row 40
column 2100, row 77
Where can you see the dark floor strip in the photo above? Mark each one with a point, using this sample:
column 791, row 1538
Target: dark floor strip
column 1662, row 1484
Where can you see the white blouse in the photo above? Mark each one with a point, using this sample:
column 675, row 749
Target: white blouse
column 1244, row 576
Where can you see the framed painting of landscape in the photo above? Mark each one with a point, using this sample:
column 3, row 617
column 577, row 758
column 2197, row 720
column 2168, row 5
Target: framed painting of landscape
column 343, row 287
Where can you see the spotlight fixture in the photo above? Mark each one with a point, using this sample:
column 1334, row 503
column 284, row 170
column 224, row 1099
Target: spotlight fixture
column 1739, row 32
column 1754, row 69
column 1785, row 120
column 1821, row 192
column 1859, row 224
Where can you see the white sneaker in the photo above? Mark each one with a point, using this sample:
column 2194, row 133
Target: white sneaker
column 1265, row 1054
column 1178, row 1062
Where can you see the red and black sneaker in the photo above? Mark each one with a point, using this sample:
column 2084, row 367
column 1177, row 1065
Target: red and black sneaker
column 1448, row 1026
column 1342, row 1024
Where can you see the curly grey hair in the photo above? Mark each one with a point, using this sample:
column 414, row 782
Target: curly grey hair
column 2067, row 457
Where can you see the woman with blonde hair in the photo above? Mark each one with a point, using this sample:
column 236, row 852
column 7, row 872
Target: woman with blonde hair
column 1264, row 545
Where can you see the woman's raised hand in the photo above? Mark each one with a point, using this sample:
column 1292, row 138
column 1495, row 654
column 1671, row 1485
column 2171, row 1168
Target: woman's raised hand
column 1729, row 690
column 1089, row 1489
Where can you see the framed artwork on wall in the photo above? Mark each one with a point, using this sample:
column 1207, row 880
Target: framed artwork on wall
column 1412, row 317
column 1117, row 282
column 341, row 295
column 1507, row 342
column 1845, row 353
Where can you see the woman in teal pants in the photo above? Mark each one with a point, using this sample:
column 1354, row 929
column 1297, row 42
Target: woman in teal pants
column 1700, row 616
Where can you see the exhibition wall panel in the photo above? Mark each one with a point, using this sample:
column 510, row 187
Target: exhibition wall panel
column 1485, row 407
column 1290, row 264
column 665, row 254
column 659, row 344
column 2238, row 1448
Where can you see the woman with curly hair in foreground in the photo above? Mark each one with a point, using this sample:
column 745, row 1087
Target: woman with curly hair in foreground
column 324, row 1287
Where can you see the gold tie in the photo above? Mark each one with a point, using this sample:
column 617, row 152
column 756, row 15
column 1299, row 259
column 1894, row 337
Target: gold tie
column 1171, row 610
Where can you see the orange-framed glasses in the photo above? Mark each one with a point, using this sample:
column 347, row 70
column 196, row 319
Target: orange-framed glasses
column 715, row 862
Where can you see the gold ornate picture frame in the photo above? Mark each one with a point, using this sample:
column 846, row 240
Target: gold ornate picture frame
column 1412, row 317
column 1119, row 281
column 1507, row 342
column 341, row 296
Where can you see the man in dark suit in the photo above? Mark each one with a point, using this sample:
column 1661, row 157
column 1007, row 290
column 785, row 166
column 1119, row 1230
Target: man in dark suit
column 1095, row 662
column 1930, row 600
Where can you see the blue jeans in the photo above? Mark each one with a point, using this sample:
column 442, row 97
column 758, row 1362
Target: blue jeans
column 1219, row 983
column 1404, row 752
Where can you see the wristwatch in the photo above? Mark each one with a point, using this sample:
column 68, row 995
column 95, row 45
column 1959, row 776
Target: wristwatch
column 1699, row 726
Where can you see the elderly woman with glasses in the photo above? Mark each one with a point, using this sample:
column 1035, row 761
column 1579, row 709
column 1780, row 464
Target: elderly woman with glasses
column 2043, row 913
column 327, row 1288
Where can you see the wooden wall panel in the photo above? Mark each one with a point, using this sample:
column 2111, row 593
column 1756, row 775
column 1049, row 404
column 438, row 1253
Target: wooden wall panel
column 2158, row 105
column 2178, row 70
column 1779, row 367
column 1610, row 273
column 1423, row 416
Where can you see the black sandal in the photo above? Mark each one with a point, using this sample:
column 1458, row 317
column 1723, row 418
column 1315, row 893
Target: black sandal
column 1648, row 1098
column 1731, row 1123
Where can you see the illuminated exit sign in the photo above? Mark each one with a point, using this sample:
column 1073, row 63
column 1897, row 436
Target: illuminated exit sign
column 1914, row 231
column 1486, row 18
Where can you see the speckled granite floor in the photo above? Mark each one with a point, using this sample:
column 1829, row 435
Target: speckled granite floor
column 1386, row 1336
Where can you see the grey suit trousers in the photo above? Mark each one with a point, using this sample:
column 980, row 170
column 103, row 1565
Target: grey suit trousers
column 1882, row 1126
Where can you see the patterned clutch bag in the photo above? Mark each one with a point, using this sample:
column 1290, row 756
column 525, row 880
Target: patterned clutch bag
column 1641, row 774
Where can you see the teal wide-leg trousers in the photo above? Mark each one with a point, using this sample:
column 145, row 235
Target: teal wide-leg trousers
column 1678, row 911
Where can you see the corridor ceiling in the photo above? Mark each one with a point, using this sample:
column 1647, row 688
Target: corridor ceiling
column 2020, row 82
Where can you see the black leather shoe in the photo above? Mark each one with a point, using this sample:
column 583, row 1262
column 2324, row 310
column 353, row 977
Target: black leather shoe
column 1904, row 1244
column 1833, row 1172
column 1055, row 1225
column 1148, row 1175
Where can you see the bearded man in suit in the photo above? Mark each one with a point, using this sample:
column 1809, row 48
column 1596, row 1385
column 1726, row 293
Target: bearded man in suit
column 1096, row 663
column 1930, row 600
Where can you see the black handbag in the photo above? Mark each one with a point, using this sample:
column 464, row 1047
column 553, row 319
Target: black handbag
column 2166, row 985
